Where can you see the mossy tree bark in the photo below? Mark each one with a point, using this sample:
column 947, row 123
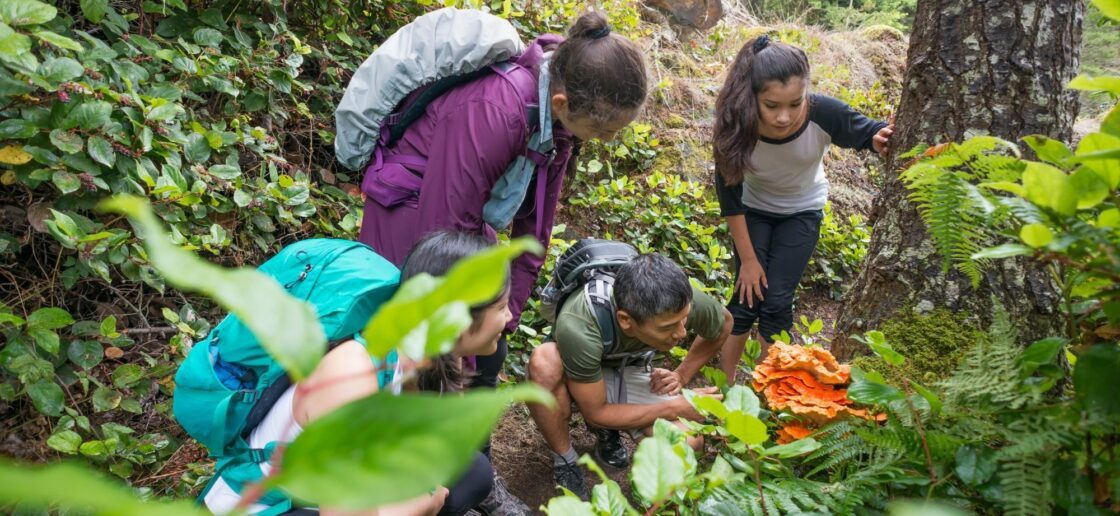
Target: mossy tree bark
column 996, row 67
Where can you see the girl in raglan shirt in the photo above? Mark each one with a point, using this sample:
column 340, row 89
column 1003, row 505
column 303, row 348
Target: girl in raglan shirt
column 770, row 137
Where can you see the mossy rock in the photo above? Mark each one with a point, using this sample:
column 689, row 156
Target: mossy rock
column 687, row 157
column 675, row 122
column 933, row 345
column 884, row 33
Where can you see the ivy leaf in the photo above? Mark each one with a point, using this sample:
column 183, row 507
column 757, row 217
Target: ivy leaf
column 59, row 40
column 94, row 10
column 26, row 12
column 105, row 399
column 746, row 428
column 65, row 181
column 287, row 328
column 410, row 444
column 102, row 151
column 67, row 141
column 66, row 441
column 49, row 318
column 657, row 471
column 127, row 375
column 85, row 353
column 47, row 397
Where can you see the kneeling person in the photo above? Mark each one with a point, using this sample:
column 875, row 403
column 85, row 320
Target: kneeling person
column 654, row 307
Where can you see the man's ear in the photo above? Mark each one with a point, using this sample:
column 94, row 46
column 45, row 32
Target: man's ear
column 625, row 321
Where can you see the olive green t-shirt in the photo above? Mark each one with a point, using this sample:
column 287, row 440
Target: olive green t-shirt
column 581, row 343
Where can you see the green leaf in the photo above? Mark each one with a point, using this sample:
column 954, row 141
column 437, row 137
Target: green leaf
column 709, row 405
column 94, row 449
column 1093, row 144
column 197, row 149
column 931, row 398
column 60, row 70
column 1092, row 189
column 88, row 115
column 658, row 470
column 163, row 112
column 65, row 181
column 740, row 398
column 85, row 353
column 877, row 341
column 65, row 441
column 108, row 327
column 85, row 491
column 50, row 319
column 46, row 339
column 975, row 467
column 105, row 399
column 94, row 10
column 1109, row 8
column 59, row 40
column 1087, row 83
column 1003, row 251
column 127, row 375
column 1049, row 149
column 47, row 397
column 1041, row 353
column 207, row 37
column 1109, row 218
column 794, row 449
column 13, row 45
column 1049, row 187
column 18, row 128
column 410, row 444
column 746, row 428
column 287, row 328
column 1036, row 235
column 67, row 141
column 606, row 497
column 1094, row 378
column 102, row 151
column 26, row 12
column 406, row 320
column 869, row 390
column 569, row 506
column 227, row 172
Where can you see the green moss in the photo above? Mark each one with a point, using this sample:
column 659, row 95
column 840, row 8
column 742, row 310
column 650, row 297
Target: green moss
column 933, row 345
column 675, row 122
column 686, row 157
column 883, row 33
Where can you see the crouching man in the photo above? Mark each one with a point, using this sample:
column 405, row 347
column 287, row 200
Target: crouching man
column 600, row 359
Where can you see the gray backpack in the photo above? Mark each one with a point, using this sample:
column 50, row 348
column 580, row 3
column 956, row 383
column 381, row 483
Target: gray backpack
column 588, row 265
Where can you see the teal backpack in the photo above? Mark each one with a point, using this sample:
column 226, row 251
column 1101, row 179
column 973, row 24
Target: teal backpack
column 228, row 383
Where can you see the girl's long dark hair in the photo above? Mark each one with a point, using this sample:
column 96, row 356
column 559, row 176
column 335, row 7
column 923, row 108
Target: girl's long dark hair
column 435, row 254
column 735, row 134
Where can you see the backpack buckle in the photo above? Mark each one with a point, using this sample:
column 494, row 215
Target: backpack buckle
column 246, row 396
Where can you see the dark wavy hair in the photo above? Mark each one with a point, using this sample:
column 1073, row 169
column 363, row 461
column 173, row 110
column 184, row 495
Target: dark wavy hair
column 435, row 254
column 603, row 74
column 735, row 134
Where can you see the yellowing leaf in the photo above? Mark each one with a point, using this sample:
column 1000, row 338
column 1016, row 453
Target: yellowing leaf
column 14, row 155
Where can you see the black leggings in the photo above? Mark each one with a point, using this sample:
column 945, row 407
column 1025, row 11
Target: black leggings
column 471, row 489
column 783, row 245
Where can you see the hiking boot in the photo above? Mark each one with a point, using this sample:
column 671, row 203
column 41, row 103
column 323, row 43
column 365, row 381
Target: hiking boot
column 609, row 449
column 570, row 477
column 501, row 502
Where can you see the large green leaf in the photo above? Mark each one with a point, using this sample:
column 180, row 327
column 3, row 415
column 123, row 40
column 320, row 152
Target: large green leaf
column 869, row 389
column 974, row 466
column 1110, row 8
column 386, row 448
column 1087, row 83
column 569, row 506
column 84, row 491
column 60, row 70
column 12, row 44
column 67, row 141
column 658, row 470
column 46, row 396
column 88, row 115
column 94, row 10
column 746, row 428
column 1036, row 235
column 18, row 128
column 65, row 441
column 1049, row 149
column 743, row 399
column 59, row 40
column 287, row 328
column 49, row 318
column 1050, row 188
column 26, row 12
column 1094, row 144
column 102, row 151
column 85, row 353
column 428, row 314
column 794, row 449
column 1094, row 378
column 105, row 399
column 606, row 496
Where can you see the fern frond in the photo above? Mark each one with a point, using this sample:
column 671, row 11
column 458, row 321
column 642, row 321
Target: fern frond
column 989, row 374
column 1026, row 486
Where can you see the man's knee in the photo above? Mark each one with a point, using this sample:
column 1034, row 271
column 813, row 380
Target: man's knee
column 545, row 367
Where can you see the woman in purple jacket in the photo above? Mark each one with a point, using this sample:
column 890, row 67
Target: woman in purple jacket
column 459, row 148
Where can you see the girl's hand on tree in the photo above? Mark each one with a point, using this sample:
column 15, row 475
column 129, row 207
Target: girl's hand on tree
column 881, row 142
column 750, row 282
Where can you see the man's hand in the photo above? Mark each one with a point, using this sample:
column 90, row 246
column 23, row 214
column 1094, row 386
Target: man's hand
column 665, row 382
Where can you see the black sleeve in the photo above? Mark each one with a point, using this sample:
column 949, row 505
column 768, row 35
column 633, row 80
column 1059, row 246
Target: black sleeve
column 848, row 128
column 730, row 198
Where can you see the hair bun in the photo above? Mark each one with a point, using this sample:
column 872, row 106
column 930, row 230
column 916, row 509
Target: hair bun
column 590, row 25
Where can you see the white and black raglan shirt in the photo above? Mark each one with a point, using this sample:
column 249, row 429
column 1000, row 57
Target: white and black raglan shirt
column 788, row 174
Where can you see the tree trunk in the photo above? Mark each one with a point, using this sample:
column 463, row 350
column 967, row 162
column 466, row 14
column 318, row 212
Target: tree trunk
column 987, row 67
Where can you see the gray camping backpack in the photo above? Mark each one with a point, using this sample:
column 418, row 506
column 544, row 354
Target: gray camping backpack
column 588, row 265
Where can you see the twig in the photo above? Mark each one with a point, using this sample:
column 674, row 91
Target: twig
column 144, row 331
column 758, row 482
column 922, row 434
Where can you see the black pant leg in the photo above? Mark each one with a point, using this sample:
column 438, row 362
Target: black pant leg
column 791, row 245
column 760, row 229
column 471, row 488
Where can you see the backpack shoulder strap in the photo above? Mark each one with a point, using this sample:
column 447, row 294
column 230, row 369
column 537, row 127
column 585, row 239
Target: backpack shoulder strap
column 598, row 293
column 414, row 109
